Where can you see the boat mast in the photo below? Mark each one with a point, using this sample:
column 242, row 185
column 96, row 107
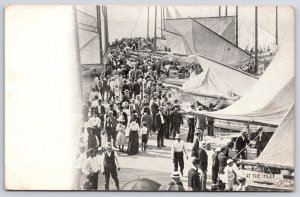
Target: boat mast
column 148, row 23
column 256, row 42
column 236, row 26
column 154, row 45
column 99, row 33
column 276, row 26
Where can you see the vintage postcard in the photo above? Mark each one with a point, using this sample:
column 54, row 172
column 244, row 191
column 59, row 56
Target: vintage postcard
column 150, row 98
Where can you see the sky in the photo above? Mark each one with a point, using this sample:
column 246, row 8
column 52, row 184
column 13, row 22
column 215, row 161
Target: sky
column 131, row 21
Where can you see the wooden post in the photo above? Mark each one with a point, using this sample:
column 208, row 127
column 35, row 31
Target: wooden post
column 236, row 26
column 99, row 33
column 219, row 11
column 256, row 41
column 148, row 23
column 276, row 34
column 154, row 45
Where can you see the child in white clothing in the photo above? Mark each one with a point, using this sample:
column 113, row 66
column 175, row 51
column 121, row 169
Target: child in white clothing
column 229, row 175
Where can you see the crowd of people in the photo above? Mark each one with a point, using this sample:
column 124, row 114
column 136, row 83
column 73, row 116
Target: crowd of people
column 126, row 104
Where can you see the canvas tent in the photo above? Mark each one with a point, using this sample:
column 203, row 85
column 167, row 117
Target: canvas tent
column 214, row 80
column 271, row 96
column 279, row 152
column 202, row 40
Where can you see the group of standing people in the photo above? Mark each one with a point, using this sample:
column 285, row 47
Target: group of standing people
column 126, row 104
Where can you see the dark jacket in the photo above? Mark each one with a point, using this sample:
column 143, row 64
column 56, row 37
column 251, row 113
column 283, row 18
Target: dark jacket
column 222, row 162
column 215, row 161
column 176, row 118
column 194, row 180
column 195, row 148
column 158, row 123
column 241, row 143
column 202, row 155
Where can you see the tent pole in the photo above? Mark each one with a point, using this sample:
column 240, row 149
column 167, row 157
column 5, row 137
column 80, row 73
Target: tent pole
column 219, row 11
column 276, row 25
column 148, row 23
column 236, row 26
column 155, row 19
column 99, row 32
column 256, row 42
column 226, row 11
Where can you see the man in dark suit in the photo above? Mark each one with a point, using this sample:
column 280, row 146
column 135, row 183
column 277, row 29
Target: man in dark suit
column 196, row 144
column 240, row 145
column 194, row 181
column 177, row 120
column 202, row 155
column 110, row 127
column 261, row 141
column 167, row 113
column 215, row 165
column 160, row 122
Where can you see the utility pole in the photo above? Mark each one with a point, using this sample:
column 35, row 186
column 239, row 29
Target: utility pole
column 154, row 45
column 99, row 33
column 236, row 26
column 256, row 42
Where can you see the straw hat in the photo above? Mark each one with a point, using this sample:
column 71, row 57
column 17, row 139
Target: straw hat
column 121, row 119
column 175, row 176
column 229, row 161
column 202, row 143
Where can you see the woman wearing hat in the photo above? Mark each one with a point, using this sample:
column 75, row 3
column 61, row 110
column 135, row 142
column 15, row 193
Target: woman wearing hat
column 121, row 138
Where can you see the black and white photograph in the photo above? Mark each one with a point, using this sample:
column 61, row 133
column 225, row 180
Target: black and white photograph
column 151, row 98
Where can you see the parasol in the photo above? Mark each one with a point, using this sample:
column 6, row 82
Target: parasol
column 143, row 184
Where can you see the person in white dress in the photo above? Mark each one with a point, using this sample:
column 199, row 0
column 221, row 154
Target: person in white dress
column 121, row 138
